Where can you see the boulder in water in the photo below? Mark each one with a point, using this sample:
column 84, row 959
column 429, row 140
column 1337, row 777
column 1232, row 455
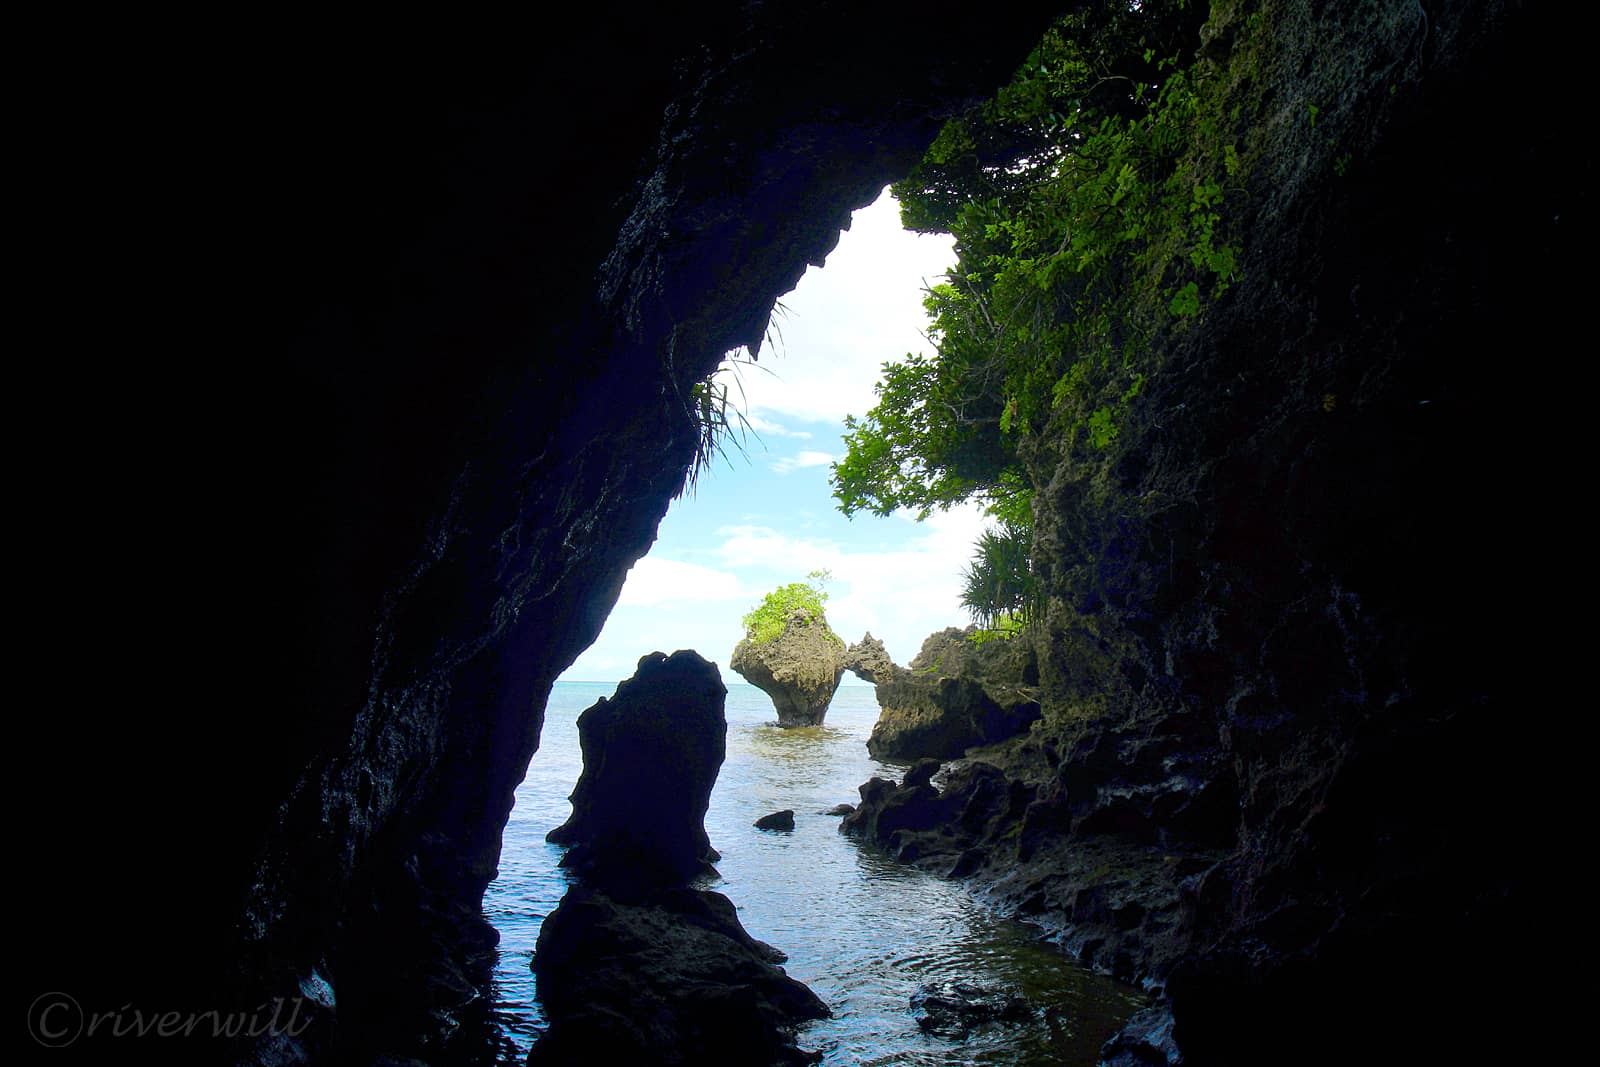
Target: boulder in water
column 650, row 758
column 664, row 976
column 778, row 820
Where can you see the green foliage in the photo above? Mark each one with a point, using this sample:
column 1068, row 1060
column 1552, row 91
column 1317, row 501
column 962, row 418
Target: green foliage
column 718, row 421
column 766, row 620
column 932, row 440
column 1089, row 204
column 1087, row 200
column 998, row 583
column 1002, row 628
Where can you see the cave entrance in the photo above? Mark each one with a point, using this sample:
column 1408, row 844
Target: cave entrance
column 762, row 514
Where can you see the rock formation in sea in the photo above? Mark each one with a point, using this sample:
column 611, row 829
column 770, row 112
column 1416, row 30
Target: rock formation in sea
column 634, row 965
column 778, row 820
column 869, row 660
column 799, row 669
column 664, row 977
column 957, row 693
column 650, row 759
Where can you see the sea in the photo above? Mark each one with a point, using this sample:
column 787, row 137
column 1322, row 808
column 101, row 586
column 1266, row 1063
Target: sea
column 864, row 931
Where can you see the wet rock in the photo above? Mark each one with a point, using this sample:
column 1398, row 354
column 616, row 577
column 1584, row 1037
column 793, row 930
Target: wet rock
column 650, row 759
column 778, row 820
column 920, row 823
column 969, row 862
column 799, row 669
column 840, row 809
column 664, row 976
column 953, row 1008
column 954, row 695
column 633, row 964
column 1145, row 1041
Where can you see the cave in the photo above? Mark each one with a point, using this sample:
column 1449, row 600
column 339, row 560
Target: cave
column 368, row 350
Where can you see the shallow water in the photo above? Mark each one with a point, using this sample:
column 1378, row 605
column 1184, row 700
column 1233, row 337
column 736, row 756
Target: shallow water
column 864, row 931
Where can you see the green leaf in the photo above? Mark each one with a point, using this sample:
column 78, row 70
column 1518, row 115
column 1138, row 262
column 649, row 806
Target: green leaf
column 1186, row 302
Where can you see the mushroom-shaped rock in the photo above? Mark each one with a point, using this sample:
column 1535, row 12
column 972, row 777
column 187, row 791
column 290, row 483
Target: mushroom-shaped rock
column 650, row 759
column 799, row 669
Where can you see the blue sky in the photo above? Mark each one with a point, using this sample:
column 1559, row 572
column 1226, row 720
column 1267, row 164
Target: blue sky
column 768, row 517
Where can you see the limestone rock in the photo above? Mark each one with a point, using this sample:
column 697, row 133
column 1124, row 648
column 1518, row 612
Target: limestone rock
column 869, row 660
column 650, row 759
column 800, row 669
column 668, row 976
column 954, row 695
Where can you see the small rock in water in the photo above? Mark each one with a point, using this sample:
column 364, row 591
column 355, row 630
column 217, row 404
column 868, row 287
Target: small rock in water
column 841, row 809
column 952, row 1008
column 778, row 820
column 651, row 755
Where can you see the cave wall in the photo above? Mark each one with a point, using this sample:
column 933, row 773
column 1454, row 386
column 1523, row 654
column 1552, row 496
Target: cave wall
column 381, row 343
column 1279, row 587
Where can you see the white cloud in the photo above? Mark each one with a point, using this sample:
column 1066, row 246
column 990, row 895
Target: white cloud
column 900, row 594
column 839, row 325
column 774, row 429
column 660, row 581
column 786, row 464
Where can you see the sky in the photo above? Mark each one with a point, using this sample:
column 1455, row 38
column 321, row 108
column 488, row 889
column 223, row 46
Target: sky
column 767, row 517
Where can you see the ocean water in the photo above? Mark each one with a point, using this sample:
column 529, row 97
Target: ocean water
column 864, row 931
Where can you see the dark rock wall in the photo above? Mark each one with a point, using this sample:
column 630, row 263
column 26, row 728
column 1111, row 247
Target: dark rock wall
column 1295, row 772
column 369, row 372
column 1277, row 617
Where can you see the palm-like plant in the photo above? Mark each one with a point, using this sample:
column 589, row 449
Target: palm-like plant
column 999, row 580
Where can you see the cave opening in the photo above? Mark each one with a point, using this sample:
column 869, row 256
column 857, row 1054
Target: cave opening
column 759, row 516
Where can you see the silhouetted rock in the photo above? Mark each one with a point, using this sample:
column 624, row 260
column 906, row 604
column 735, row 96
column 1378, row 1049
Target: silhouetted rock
column 633, row 965
column 778, row 820
column 955, row 694
column 667, row 976
column 650, row 759
column 799, row 669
